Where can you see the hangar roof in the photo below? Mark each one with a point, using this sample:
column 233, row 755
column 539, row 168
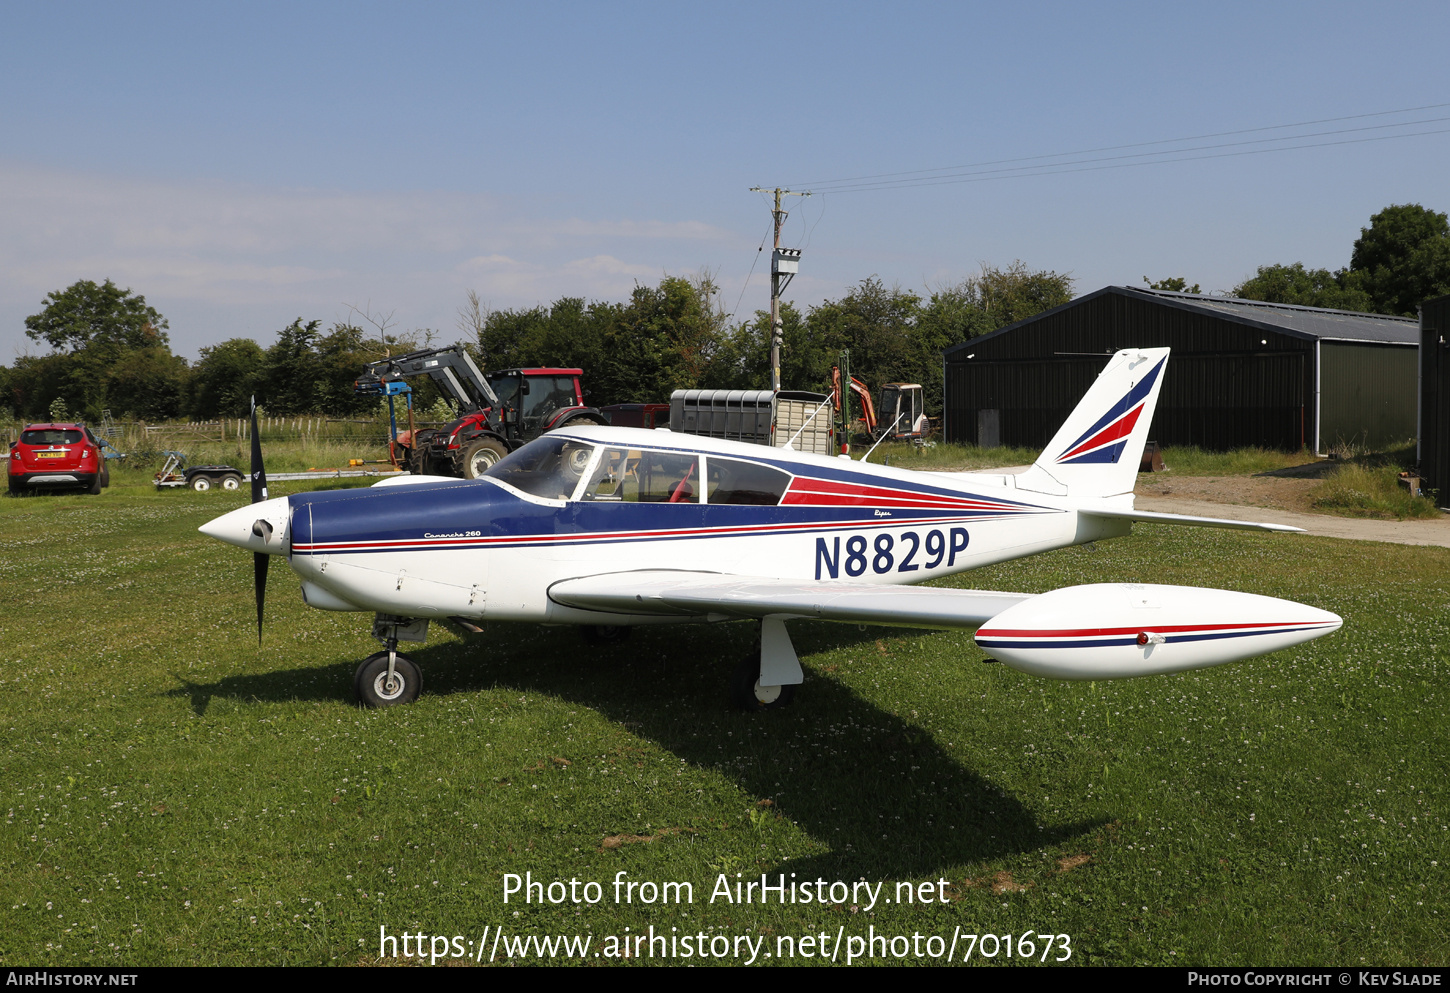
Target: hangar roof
column 1299, row 322
column 1316, row 322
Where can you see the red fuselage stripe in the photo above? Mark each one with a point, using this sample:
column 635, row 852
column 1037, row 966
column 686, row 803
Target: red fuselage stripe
column 1155, row 628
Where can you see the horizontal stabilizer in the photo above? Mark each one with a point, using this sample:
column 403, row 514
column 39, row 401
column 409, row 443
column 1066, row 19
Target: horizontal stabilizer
column 1200, row 522
column 661, row 592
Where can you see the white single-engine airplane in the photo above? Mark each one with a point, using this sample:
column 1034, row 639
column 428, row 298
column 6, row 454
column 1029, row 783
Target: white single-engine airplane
column 613, row 527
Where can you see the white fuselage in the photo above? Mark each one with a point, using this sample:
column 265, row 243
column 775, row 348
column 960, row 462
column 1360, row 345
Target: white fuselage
column 485, row 549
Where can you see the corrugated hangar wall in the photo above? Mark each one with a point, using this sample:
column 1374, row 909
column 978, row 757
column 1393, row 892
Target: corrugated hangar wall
column 1229, row 385
column 1364, row 396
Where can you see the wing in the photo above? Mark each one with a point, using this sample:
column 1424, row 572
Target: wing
column 664, row 592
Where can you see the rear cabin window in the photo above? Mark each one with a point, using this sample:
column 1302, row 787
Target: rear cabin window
column 745, row 483
column 634, row 475
column 50, row 436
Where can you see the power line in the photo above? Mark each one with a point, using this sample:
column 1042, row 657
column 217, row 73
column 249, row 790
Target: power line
column 1039, row 164
column 1068, row 167
column 752, row 270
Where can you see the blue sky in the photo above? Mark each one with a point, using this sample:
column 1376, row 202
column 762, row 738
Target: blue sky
column 243, row 165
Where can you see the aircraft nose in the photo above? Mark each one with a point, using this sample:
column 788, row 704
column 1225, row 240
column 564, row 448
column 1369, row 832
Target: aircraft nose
column 258, row 527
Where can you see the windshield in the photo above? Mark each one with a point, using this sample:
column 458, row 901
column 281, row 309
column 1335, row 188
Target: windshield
column 548, row 468
column 50, row 436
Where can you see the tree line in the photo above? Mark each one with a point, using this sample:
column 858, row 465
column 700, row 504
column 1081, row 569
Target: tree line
column 110, row 350
column 1400, row 260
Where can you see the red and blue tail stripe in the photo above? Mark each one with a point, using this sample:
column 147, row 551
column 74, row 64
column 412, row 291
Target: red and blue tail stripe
column 805, row 491
column 1105, row 440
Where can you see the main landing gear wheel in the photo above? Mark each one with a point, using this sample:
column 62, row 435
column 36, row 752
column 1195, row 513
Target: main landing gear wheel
column 606, row 634
column 480, row 456
column 747, row 694
column 373, row 687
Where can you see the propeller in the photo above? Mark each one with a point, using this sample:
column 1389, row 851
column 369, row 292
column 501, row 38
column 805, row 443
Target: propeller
column 261, row 528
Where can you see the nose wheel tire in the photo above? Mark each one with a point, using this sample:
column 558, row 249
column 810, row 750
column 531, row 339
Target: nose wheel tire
column 747, row 694
column 375, row 689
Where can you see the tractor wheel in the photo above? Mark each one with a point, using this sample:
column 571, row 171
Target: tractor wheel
column 418, row 462
column 479, row 456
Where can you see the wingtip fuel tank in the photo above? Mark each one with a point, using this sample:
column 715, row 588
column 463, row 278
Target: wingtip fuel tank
column 1121, row 630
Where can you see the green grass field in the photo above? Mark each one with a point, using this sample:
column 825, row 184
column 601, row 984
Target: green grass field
column 176, row 795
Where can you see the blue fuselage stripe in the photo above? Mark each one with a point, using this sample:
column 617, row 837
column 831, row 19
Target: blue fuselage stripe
column 482, row 515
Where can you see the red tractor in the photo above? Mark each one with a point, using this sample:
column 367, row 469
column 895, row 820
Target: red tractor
column 497, row 413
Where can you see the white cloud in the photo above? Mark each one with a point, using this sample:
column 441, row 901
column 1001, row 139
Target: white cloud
column 232, row 249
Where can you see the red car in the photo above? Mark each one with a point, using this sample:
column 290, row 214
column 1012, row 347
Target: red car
column 49, row 455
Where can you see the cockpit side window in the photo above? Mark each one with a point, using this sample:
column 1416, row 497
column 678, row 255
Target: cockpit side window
column 547, row 467
column 634, row 475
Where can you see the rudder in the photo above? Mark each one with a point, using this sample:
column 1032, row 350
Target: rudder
column 1097, row 450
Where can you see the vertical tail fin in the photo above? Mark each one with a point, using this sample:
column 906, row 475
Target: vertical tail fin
column 1097, row 450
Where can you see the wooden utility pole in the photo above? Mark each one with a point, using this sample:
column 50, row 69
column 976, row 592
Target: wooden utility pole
column 783, row 262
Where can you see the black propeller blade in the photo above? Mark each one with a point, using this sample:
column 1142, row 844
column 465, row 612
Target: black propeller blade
column 260, row 560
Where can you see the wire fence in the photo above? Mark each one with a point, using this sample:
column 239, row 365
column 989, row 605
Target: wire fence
column 293, row 443
column 143, row 434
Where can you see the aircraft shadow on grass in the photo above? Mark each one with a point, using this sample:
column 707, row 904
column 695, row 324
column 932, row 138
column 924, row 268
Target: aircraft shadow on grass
column 879, row 790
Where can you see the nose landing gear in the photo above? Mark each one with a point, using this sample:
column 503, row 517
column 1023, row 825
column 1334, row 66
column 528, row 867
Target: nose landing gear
column 388, row 678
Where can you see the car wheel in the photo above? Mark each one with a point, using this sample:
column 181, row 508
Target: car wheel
column 746, row 693
column 105, row 475
column 95, row 488
column 480, row 456
column 374, row 688
column 201, row 483
column 231, row 482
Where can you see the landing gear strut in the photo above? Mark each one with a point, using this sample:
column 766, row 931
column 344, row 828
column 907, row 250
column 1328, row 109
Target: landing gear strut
column 387, row 678
column 390, row 677
column 766, row 679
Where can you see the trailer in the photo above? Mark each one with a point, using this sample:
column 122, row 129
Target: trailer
column 786, row 419
column 176, row 474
